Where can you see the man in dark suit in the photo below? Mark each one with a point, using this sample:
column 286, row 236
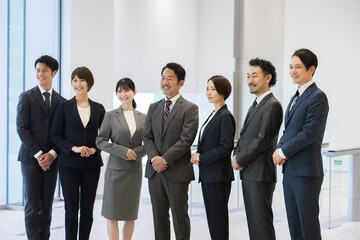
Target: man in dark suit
column 35, row 112
column 299, row 149
column 170, row 129
column 253, row 153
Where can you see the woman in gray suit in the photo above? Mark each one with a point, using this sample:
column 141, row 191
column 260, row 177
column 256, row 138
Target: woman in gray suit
column 124, row 128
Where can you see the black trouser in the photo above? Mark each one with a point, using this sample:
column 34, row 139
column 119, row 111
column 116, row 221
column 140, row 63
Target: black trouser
column 79, row 187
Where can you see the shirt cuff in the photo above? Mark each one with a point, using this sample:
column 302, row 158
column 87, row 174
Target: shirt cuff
column 282, row 155
column 52, row 152
column 164, row 161
column 38, row 154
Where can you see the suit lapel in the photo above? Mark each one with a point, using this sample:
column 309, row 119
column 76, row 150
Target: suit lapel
column 175, row 108
column 38, row 97
column 121, row 118
column 75, row 112
column 54, row 101
column 306, row 94
column 254, row 110
column 138, row 124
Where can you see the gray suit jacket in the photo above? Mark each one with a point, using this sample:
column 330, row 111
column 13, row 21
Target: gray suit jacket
column 171, row 140
column 258, row 139
column 115, row 128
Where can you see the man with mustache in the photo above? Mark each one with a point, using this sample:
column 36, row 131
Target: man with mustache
column 170, row 129
column 253, row 153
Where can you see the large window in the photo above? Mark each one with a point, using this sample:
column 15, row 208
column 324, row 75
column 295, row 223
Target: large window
column 33, row 29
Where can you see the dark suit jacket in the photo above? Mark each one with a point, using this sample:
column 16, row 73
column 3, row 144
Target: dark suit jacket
column 304, row 131
column 68, row 131
column 171, row 140
column 34, row 124
column 215, row 147
column 115, row 128
column 258, row 139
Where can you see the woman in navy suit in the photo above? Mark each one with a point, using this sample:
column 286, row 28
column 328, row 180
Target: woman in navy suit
column 74, row 131
column 216, row 142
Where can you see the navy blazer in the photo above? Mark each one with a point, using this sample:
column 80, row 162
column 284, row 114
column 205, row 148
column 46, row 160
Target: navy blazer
column 68, row 131
column 34, row 124
column 215, row 146
column 303, row 135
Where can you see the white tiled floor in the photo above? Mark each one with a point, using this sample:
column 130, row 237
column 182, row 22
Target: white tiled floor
column 12, row 225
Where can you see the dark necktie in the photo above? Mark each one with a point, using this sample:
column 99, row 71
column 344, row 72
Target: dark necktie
column 167, row 109
column 252, row 107
column 47, row 101
column 294, row 100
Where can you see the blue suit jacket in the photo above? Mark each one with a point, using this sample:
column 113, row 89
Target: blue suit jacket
column 215, row 147
column 34, row 124
column 68, row 131
column 304, row 130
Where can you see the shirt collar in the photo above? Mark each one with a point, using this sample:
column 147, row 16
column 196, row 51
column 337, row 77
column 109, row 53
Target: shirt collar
column 261, row 97
column 173, row 99
column 43, row 90
column 304, row 87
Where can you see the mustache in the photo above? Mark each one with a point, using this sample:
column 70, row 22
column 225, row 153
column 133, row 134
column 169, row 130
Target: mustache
column 252, row 85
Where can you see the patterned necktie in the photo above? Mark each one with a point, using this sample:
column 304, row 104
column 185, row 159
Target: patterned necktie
column 167, row 109
column 295, row 99
column 47, row 101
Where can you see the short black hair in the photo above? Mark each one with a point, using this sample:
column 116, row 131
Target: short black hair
column 51, row 62
column 222, row 85
column 84, row 73
column 126, row 84
column 177, row 68
column 307, row 57
column 267, row 68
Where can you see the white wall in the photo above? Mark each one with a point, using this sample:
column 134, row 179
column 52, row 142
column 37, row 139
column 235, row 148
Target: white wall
column 330, row 29
column 149, row 34
column 260, row 30
column 88, row 40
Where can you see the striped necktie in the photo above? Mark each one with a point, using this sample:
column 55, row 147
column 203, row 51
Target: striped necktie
column 167, row 109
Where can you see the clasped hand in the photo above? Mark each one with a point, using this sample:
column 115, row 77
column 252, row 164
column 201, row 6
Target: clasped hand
column 277, row 158
column 45, row 160
column 131, row 155
column 158, row 164
column 195, row 158
column 84, row 151
column 235, row 165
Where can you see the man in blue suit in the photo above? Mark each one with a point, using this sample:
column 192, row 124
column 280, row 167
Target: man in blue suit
column 299, row 149
column 37, row 154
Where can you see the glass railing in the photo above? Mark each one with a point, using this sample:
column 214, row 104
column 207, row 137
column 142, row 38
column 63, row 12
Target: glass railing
column 341, row 192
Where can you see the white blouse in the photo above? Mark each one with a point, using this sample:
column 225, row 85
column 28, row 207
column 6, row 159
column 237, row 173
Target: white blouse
column 130, row 119
column 84, row 115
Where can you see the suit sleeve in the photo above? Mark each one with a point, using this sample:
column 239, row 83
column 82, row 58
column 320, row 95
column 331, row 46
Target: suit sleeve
column 101, row 118
column 187, row 136
column 57, row 131
column 226, row 144
column 149, row 144
column 102, row 140
column 269, row 128
column 23, row 124
column 315, row 118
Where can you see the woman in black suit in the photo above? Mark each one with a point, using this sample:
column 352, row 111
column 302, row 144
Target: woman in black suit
column 74, row 131
column 215, row 144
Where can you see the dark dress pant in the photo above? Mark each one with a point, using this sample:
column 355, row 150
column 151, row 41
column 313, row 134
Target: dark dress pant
column 216, row 198
column 39, row 188
column 79, row 189
column 259, row 215
column 164, row 195
column 302, row 206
